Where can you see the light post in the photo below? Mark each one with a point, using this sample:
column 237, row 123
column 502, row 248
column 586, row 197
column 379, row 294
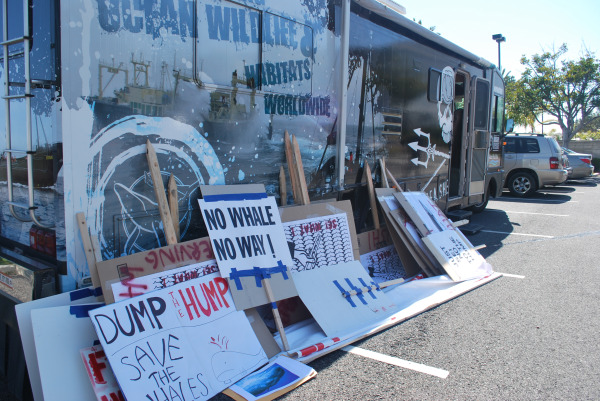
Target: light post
column 499, row 39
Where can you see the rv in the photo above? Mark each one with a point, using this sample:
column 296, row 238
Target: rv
column 214, row 85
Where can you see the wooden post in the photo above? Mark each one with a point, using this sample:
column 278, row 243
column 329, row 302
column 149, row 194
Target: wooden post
column 372, row 200
column 159, row 191
column 384, row 180
column 289, row 156
column 282, row 187
column 267, row 286
column 174, row 205
column 304, row 199
column 90, row 257
column 394, row 182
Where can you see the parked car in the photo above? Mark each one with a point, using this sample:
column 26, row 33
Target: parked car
column 581, row 164
column 532, row 161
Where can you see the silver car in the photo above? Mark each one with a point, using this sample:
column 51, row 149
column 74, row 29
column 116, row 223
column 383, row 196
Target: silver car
column 532, row 161
column 581, row 164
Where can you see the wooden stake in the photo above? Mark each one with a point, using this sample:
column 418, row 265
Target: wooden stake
column 282, row 187
column 372, row 200
column 384, row 180
column 174, row 205
column 289, row 156
column 394, row 182
column 373, row 287
column 267, row 285
column 159, row 192
column 304, row 199
column 90, row 257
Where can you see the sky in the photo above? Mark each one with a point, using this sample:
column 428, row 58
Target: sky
column 529, row 26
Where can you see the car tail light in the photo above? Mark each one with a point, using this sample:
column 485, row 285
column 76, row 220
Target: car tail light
column 586, row 160
column 554, row 163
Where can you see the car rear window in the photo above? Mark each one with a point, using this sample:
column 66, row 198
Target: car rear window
column 554, row 145
column 530, row 145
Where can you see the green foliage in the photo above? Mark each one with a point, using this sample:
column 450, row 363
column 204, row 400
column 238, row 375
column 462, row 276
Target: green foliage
column 567, row 91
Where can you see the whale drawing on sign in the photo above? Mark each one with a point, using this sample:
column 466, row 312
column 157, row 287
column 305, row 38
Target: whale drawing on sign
column 228, row 364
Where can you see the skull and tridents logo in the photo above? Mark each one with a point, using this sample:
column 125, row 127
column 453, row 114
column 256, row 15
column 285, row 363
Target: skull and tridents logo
column 446, row 86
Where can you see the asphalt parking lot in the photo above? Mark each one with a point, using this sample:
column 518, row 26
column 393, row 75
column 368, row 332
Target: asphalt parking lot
column 529, row 335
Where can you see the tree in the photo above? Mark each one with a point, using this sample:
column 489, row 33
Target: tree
column 566, row 90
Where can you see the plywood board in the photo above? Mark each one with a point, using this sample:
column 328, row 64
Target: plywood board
column 183, row 342
column 458, row 257
column 322, row 291
column 141, row 264
column 249, row 244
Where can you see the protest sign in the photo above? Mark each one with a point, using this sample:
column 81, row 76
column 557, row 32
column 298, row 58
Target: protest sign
column 456, row 254
column 383, row 264
column 326, row 292
column 141, row 264
column 249, row 244
column 319, row 241
column 152, row 282
column 101, row 376
column 424, row 213
column 183, row 342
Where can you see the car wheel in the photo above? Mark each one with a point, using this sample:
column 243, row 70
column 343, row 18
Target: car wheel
column 522, row 184
column 480, row 207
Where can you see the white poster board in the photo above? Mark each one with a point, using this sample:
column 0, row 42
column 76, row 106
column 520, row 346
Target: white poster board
column 423, row 211
column 163, row 279
column 184, row 342
column 322, row 291
column 319, row 241
column 23, row 312
column 249, row 244
column 458, row 257
column 59, row 334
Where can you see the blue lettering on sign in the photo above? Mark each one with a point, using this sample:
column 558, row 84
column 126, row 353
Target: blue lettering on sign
column 280, row 72
column 290, row 105
column 149, row 16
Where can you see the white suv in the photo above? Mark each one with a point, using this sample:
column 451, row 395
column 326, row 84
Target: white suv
column 532, row 161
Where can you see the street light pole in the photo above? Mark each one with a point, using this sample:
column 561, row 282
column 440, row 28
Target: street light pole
column 499, row 39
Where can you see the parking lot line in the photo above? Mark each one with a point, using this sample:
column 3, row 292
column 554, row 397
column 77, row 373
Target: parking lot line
column 538, row 214
column 526, row 235
column 397, row 361
column 521, row 200
column 511, row 275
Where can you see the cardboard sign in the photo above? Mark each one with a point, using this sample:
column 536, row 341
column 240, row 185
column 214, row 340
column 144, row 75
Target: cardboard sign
column 249, row 243
column 372, row 240
column 319, row 241
column 59, row 334
column 101, row 376
column 383, row 264
column 184, row 342
column 456, row 254
column 152, row 282
column 141, row 264
column 322, row 291
column 23, row 312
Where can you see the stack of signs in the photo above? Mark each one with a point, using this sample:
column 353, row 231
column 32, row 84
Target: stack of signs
column 183, row 342
column 459, row 259
column 406, row 238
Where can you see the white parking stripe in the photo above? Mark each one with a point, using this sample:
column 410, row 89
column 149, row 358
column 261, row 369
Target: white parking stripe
column 538, row 214
column 520, row 200
column 526, row 235
column 397, row 361
column 511, row 275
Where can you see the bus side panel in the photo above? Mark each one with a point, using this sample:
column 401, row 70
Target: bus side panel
column 194, row 78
